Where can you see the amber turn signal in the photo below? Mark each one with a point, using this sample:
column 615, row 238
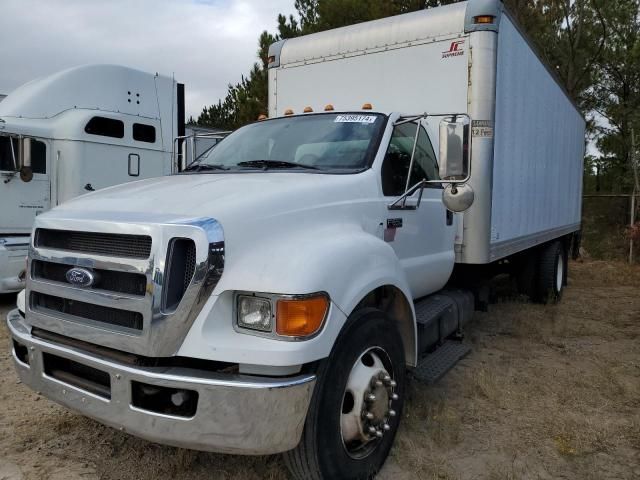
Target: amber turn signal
column 301, row 317
column 483, row 19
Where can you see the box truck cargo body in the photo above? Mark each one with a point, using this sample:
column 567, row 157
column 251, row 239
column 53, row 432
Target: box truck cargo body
column 273, row 296
column 528, row 136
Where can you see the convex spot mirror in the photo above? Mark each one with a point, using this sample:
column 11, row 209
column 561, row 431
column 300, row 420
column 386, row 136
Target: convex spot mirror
column 458, row 198
column 454, row 147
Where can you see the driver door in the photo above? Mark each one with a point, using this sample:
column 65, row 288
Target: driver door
column 421, row 236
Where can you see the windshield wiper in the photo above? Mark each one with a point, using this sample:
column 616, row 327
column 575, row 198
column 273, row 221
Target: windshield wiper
column 266, row 164
column 199, row 167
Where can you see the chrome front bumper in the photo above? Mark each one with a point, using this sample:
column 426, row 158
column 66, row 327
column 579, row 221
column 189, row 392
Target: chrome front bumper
column 235, row 413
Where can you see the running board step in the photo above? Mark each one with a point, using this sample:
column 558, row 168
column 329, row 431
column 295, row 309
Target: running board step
column 432, row 367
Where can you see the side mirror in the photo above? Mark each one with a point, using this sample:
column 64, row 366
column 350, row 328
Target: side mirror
column 26, row 172
column 454, row 148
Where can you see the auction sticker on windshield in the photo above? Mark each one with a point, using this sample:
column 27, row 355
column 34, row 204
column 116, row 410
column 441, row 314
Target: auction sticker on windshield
column 355, row 119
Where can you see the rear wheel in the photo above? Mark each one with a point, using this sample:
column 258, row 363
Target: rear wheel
column 552, row 271
column 357, row 403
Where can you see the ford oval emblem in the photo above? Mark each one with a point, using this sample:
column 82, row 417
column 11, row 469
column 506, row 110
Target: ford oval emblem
column 80, row 277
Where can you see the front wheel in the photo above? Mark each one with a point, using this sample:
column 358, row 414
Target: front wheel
column 357, row 403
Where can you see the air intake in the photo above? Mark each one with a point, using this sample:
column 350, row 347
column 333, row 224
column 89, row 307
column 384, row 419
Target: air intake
column 112, row 244
column 181, row 264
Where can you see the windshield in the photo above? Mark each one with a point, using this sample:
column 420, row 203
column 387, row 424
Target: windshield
column 332, row 143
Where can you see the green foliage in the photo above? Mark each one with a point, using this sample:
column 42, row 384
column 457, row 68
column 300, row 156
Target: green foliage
column 615, row 93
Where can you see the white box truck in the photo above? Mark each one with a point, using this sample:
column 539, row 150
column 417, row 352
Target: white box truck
column 74, row 131
column 275, row 295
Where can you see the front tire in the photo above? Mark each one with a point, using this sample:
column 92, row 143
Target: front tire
column 357, row 403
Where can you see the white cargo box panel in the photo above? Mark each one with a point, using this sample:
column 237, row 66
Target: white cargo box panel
column 398, row 64
column 538, row 151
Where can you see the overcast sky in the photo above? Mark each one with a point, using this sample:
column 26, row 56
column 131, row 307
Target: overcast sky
column 206, row 43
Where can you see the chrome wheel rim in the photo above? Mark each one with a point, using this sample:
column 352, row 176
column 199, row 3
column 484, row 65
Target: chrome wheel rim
column 367, row 403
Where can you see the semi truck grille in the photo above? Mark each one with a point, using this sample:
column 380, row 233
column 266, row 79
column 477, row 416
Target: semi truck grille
column 111, row 316
column 111, row 280
column 112, row 244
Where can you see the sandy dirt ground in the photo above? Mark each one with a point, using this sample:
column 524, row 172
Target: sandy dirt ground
column 547, row 392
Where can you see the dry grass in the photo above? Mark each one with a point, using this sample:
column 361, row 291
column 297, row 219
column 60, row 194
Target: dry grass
column 548, row 392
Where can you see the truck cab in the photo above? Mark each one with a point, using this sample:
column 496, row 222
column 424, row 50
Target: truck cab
column 73, row 132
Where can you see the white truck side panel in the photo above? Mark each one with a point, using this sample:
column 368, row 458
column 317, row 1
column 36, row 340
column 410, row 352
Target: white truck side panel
column 410, row 79
column 538, row 151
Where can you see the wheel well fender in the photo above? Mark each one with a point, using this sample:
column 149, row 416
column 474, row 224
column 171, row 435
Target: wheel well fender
column 395, row 304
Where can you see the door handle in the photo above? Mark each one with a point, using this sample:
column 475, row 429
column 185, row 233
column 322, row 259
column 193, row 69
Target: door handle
column 134, row 165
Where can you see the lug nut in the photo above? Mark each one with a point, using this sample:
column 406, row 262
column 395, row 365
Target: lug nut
column 386, row 427
column 394, row 396
column 372, row 430
column 371, row 397
column 379, row 434
column 386, row 379
column 377, row 383
column 393, row 384
column 369, row 416
column 392, row 413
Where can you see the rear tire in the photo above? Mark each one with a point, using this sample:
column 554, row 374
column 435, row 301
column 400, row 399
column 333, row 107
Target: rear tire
column 359, row 387
column 551, row 276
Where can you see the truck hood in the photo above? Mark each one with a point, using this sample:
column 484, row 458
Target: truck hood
column 229, row 198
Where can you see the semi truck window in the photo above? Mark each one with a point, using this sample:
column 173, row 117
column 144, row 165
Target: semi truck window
column 38, row 156
column 6, row 158
column 105, row 127
column 395, row 166
column 144, row 133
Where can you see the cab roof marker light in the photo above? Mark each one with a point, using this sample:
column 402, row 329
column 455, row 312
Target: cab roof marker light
column 288, row 111
column 307, row 110
column 261, row 117
column 367, row 106
column 328, row 108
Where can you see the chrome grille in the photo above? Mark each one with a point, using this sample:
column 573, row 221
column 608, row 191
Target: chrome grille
column 124, row 307
column 110, row 280
column 87, row 311
column 112, row 244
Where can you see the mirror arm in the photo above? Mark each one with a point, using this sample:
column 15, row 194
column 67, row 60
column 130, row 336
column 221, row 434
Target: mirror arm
column 13, row 154
column 412, row 118
column 413, row 159
column 403, row 198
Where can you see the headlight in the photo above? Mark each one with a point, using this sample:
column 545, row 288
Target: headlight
column 282, row 316
column 254, row 313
